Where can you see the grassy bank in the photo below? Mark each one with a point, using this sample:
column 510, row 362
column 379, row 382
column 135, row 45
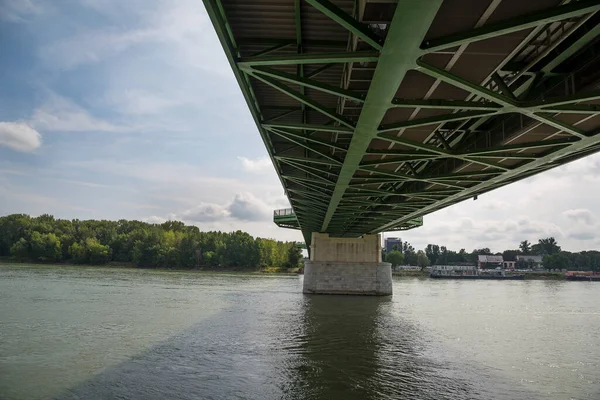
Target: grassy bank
column 410, row 273
column 116, row 264
column 545, row 276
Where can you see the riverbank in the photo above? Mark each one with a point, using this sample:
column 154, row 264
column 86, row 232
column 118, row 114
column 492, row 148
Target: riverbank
column 127, row 265
column 410, row 273
column 530, row 276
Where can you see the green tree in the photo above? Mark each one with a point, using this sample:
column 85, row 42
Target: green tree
column 294, row 256
column 395, row 258
column 45, row 247
column 422, row 259
column 432, row 251
column 547, row 246
column 525, row 247
column 20, row 248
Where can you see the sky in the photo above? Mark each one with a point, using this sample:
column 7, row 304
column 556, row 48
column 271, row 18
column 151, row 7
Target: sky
column 115, row 109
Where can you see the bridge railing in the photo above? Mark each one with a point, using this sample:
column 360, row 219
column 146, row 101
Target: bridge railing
column 282, row 212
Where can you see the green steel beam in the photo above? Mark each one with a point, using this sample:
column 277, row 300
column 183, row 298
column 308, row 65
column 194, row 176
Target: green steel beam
column 256, row 41
column 308, row 147
column 398, row 160
column 310, row 83
column 572, row 49
column 310, row 160
column 309, row 193
column 402, row 153
column 454, row 80
column 510, row 103
column 319, row 70
column 310, row 171
column 438, row 119
column 520, row 146
column 287, row 134
column 310, row 168
column 313, row 127
column 214, row 13
column 508, row 156
column 561, row 126
column 402, row 177
column 308, row 58
column 564, row 100
column 445, row 104
column 345, row 20
column 574, row 109
column 507, row 177
column 303, row 99
column 285, row 114
column 311, row 185
column 271, row 49
column 306, row 180
column 502, row 86
column 573, row 9
column 409, row 25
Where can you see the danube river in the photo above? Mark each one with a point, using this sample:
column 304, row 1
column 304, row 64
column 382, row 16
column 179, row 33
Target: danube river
column 98, row 333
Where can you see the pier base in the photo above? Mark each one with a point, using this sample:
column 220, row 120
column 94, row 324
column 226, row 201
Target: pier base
column 347, row 266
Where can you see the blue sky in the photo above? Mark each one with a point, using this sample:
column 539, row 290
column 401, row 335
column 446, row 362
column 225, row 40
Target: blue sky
column 129, row 109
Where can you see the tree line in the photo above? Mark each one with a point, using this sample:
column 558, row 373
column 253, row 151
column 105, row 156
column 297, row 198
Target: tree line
column 168, row 245
column 553, row 257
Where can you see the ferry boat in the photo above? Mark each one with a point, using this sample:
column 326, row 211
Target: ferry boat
column 587, row 276
column 470, row 272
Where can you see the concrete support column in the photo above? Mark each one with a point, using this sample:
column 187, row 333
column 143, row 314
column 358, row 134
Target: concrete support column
column 347, row 266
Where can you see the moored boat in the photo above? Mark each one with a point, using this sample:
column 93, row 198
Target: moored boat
column 586, row 276
column 470, row 272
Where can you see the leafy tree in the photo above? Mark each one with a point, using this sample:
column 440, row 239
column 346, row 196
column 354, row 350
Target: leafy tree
column 20, row 248
column 395, row 258
column 410, row 256
column 510, row 255
column 525, row 247
column 45, row 246
column 294, row 256
column 432, row 251
column 422, row 259
column 547, row 246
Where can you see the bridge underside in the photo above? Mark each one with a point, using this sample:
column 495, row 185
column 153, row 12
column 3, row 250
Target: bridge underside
column 375, row 113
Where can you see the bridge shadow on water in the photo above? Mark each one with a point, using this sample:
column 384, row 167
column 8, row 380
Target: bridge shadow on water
column 277, row 346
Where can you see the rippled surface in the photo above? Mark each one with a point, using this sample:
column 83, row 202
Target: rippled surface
column 92, row 333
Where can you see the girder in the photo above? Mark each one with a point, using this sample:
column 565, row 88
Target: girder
column 372, row 126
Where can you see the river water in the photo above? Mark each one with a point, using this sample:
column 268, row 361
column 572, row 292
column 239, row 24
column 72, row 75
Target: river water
column 98, row 333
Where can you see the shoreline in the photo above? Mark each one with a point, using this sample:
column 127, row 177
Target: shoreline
column 125, row 265
column 531, row 276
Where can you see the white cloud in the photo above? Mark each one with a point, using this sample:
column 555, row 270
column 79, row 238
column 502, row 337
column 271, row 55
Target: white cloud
column 18, row 10
column 154, row 220
column 584, row 234
column 203, row 213
column 183, row 27
column 580, row 215
column 141, row 102
column 243, row 207
column 246, row 207
column 59, row 114
column 19, row 136
column 259, row 165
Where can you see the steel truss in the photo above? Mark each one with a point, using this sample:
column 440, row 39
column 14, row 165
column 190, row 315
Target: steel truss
column 332, row 188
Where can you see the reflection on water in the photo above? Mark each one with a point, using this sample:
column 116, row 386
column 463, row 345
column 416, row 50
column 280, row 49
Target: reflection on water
column 248, row 337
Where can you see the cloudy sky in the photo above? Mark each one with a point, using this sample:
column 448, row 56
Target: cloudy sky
column 128, row 109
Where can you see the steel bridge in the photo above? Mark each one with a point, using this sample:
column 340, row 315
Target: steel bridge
column 376, row 113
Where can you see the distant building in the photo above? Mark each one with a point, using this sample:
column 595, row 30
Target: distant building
column 534, row 262
column 391, row 242
column 485, row 261
column 453, row 270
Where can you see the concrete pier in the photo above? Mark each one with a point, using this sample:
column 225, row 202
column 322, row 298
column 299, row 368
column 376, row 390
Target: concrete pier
column 347, row 266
